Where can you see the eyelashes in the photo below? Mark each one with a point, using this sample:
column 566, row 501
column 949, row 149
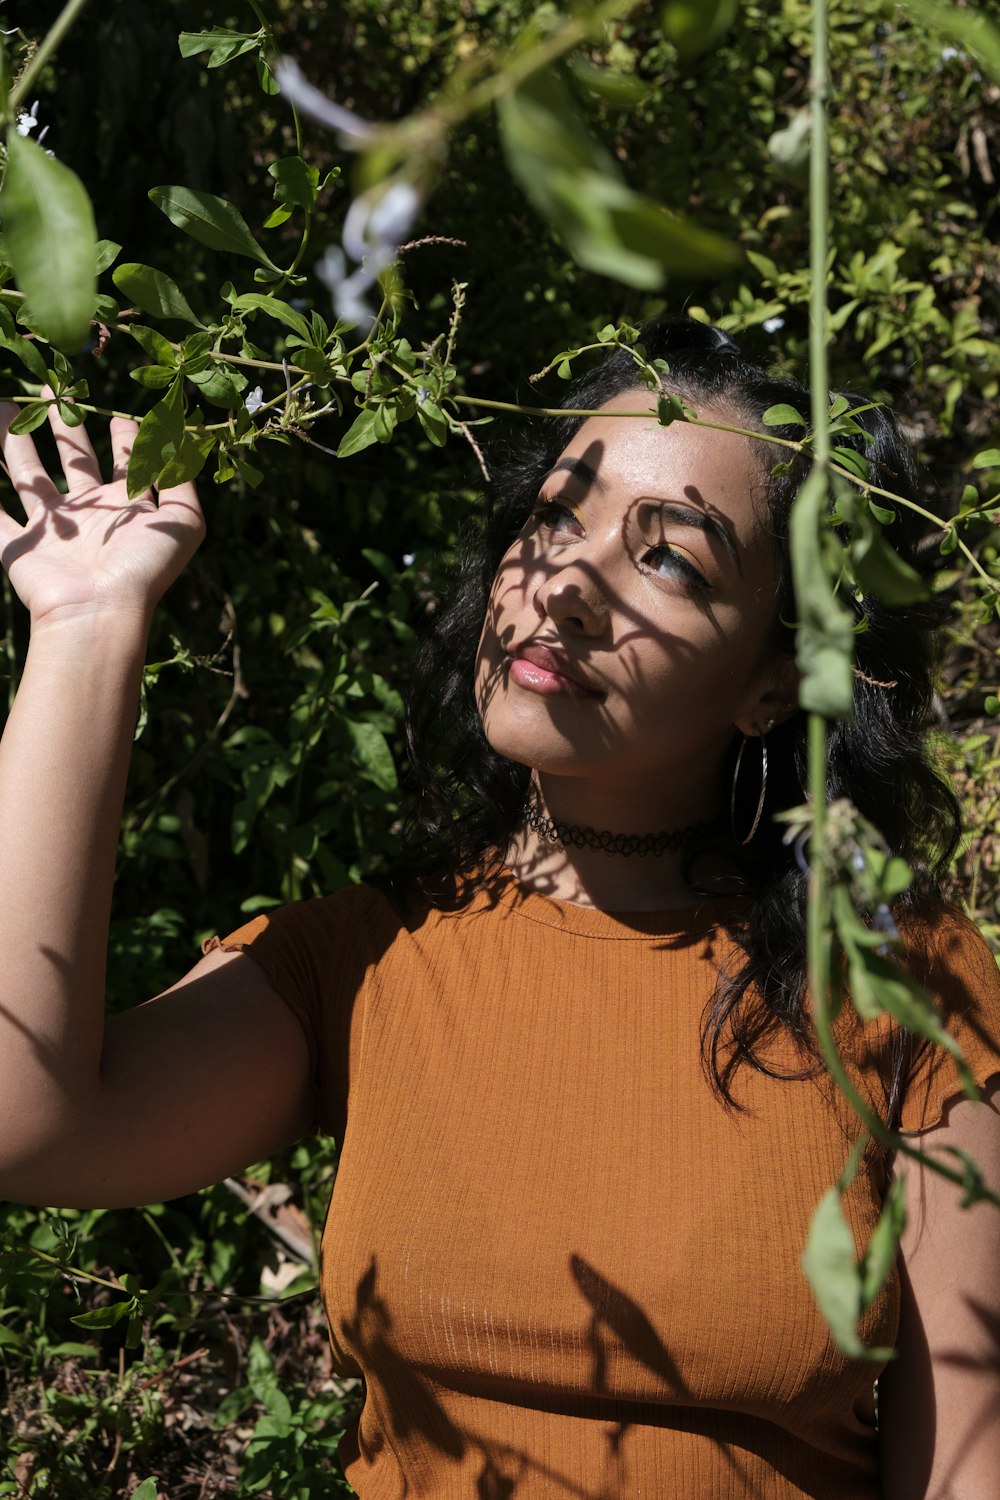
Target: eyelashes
column 557, row 518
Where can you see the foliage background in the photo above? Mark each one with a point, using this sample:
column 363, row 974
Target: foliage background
column 269, row 763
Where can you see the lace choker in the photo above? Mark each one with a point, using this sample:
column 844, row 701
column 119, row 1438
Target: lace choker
column 571, row 835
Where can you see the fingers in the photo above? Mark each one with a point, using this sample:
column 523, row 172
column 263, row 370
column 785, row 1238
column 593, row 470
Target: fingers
column 122, row 440
column 24, row 468
column 182, row 506
column 76, row 452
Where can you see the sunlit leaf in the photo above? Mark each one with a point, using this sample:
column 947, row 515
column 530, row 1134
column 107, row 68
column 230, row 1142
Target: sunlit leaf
column 373, row 754
column 102, row 1317
column 211, row 221
column 880, row 1257
column 187, row 463
column 221, row 44
column 51, row 242
column 222, row 385
column 360, row 434
column 575, row 184
column 825, row 633
column 154, row 292
column 107, row 252
column 831, row 1267
column 783, row 415
column 275, row 308
column 160, row 435
column 694, row 26
column 295, row 181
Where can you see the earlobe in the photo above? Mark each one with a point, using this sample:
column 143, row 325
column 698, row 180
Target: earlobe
column 779, row 700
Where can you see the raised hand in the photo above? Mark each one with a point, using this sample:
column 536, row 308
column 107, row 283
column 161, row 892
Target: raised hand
column 91, row 550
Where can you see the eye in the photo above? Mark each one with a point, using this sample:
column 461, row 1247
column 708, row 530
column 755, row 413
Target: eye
column 552, row 516
column 666, row 561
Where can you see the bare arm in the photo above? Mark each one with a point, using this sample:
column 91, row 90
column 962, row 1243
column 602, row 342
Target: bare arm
column 210, row 1076
column 939, row 1402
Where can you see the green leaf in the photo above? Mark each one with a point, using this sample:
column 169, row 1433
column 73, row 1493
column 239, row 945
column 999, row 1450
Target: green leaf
column 147, row 1490
column 988, row 459
column 882, row 513
column 694, row 26
column 154, row 292
column 671, row 409
column 222, row 385
column 152, row 342
column 360, row 434
column 221, row 44
column 102, row 1317
column 211, row 221
column 853, row 461
column 432, row 420
column 825, row 633
column 899, row 995
column 275, row 308
column 830, row 1264
column 373, row 755
column 880, row 1257
column 574, row 183
column 881, row 571
column 107, row 251
column 783, row 415
column 28, row 353
column 153, row 377
column 295, row 182
column 30, row 417
column 51, row 242
column 160, row 435
column 278, row 216
column 188, row 461
column 621, row 90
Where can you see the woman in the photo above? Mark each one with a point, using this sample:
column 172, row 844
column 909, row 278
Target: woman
column 567, row 1060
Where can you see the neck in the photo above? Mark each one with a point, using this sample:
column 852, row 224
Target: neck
column 590, row 876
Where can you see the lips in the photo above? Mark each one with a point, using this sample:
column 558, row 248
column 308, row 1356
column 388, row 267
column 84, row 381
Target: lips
column 539, row 668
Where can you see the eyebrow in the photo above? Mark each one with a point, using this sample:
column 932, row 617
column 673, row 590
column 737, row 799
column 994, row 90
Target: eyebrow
column 687, row 515
column 580, row 469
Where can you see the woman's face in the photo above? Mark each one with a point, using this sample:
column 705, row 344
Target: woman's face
column 630, row 626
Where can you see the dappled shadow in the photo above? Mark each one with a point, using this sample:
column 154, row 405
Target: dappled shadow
column 416, row 1420
column 647, row 650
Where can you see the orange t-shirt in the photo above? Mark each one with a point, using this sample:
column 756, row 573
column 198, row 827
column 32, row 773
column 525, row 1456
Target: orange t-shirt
column 563, row 1269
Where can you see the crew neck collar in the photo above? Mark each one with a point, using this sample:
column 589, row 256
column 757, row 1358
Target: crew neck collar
column 702, row 915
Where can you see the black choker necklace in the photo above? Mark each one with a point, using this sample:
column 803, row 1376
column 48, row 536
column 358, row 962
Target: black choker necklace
column 618, row 843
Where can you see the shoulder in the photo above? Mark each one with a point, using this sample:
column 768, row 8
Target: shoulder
column 947, row 953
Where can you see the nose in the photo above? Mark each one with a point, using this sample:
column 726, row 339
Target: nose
column 573, row 596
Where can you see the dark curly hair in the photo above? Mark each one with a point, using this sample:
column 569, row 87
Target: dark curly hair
column 469, row 800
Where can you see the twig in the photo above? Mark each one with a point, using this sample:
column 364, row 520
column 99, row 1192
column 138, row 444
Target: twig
column 467, row 433
column 179, row 1364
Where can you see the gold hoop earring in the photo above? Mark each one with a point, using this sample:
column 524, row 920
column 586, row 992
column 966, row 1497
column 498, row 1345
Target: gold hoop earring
column 763, row 785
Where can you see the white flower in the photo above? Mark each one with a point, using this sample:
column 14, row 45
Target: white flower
column 376, row 222
column 409, row 558
column 27, row 120
column 948, row 53
column 304, row 95
column 255, row 400
column 772, row 325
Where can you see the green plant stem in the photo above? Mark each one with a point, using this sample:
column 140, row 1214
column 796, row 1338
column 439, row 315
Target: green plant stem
column 46, row 48
column 73, row 1273
column 268, row 31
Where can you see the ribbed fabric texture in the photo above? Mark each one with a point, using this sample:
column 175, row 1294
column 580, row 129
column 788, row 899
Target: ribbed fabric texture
column 561, row 1266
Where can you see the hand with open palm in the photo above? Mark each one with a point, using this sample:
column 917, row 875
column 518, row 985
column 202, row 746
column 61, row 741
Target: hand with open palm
column 92, row 550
